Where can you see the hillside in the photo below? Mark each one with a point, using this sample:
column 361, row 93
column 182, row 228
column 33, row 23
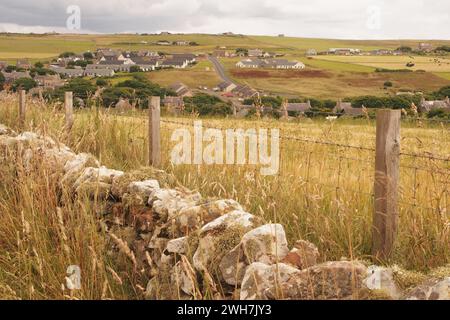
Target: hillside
column 331, row 77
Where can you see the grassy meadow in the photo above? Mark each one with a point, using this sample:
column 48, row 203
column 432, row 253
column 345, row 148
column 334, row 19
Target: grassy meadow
column 322, row 193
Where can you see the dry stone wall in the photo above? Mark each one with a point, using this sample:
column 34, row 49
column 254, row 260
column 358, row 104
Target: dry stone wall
column 196, row 248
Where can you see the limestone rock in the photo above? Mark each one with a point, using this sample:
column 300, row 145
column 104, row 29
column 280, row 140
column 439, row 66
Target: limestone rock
column 81, row 161
column 102, row 174
column 219, row 237
column 234, row 218
column 168, row 202
column 183, row 277
column 265, row 244
column 233, row 266
column 179, row 246
column 433, row 289
column 382, row 279
column 143, row 188
column 303, row 255
column 191, row 218
column 261, row 278
column 329, row 280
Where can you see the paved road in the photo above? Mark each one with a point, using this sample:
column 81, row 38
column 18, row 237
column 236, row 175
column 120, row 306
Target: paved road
column 220, row 70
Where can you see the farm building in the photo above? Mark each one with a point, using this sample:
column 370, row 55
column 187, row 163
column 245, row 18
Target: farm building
column 300, row 107
column 244, row 91
column 69, row 73
column 98, row 72
column 221, row 54
column 427, row 106
column 49, row 81
column 13, row 76
column 226, row 86
column 347, row 109
column 344, row 51
column 23, row 64
column 255, row 52
column 270, row 63
column 181, row 89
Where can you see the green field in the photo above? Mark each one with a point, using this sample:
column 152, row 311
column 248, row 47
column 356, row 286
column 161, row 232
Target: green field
column 328, row 77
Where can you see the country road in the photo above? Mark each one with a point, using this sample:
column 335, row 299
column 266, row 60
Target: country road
column 220, row 70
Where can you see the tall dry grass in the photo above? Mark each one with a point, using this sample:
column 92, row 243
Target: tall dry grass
column 322, row 193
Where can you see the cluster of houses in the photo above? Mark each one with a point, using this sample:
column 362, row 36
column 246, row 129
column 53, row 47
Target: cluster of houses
column 422, row 47
column 254, row 63
column 109, row 61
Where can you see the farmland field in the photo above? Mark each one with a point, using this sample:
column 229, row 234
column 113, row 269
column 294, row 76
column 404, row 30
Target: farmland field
column 340, row 76
column 430, row 64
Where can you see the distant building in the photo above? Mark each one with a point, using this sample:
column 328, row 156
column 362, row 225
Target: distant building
column 311, row 52
column 270, row 63
column 69, row 73
column 49, row 81
column 13, row 76
column 181, row 43
column 347, row 109
column 427, row 106
column 425, row 47
column 226, row 86
column 91, row 71
column 221, row 54
column 3, row 65
column 281, row 35
column 300, row 107
column 163, row 43
column 181, row 89
column 344, row 51
column 23, row 64
column 244, row 91
column 255, row 52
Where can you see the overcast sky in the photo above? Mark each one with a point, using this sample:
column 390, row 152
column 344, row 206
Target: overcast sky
column 355, row 19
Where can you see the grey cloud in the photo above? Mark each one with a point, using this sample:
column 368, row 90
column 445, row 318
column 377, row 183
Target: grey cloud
column 319, row 18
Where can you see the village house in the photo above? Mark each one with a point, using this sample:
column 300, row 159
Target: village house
column 427, row 106
column 181, row 89
column 270, row 63
column 181, row 43
column 269, row 54
column 3, row 65
column 244, row 92
column 174, row 104
column 146, row 63
column 226, row 86
column 347, row 109
column 425, row 47
column 108, row 55
column 91, row 71
column 255, row 52
column 344, row 51
column 13, row 76
column 298, row 107
column 249, row 63
column 49, row 81
column 23, row 64
column 174, row 63
column 69, row 73
column 221, row 54
column 311, row 52
column 116, row 65
column 163, row 43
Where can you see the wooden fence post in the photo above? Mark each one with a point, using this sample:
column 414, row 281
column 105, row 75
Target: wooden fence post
column 68, row 104
column 22, row 107
column 154, row 134
column 387, row 160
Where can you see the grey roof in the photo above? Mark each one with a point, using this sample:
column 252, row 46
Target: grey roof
column 298, row 107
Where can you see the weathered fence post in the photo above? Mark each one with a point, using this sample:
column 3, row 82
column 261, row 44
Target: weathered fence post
column 22, row 107
column 68, row 104
column 154, row 134
column 387, row 159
